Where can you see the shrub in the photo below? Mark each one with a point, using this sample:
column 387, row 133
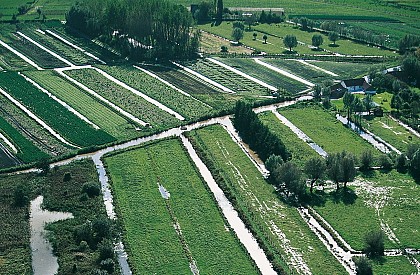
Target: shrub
column 108, row 265
column 366, row 160
column 21, row 195
column 224, row 49
column 101, row 228
column 67, row 177
column 106, row 250
column 363, row 266
column 92, row 189
column 385, row 162
column 401, row 162
column 374, row 244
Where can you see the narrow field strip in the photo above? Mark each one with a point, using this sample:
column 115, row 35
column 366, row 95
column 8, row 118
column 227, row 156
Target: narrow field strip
column 316, row 67
column 107, row 102
column 140, row 94
column 98, row 112
column 123, row 98
column 170, row 85
column 280, row 226
column 62, row 103
column 74, row 46
column 37, row 119
column 70, row 127
column 26, row 59
column 206, row 79
column 134, row 175
column 45, row 49
column 262, row 83
column 8, row 143
column 280, row 71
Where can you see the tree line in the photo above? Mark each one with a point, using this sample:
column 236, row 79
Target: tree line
column 146, row 29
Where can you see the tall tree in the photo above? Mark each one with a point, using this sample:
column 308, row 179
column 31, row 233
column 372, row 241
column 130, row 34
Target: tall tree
column 290, row 41
column 315, row 168
column 288, row 178
column 348, row 100
column 237, row 34
column 219, row 11
column 348, row 169
column 368, row 102
column 333, row 36
column 317, row 40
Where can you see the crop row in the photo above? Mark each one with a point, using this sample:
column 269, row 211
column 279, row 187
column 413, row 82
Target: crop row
column 258, row 71
column 27, row 151
column 227, row 78
column 9, row 61
column 187, row 106
column 124, row 98
column 51, row 112
column 99, row 114
column 266, row 215
column 148, row 217
column 71, row 54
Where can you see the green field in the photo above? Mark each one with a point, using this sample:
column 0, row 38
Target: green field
column 184, row 105
column 109, row 121
column 265, row 74
column 11, row 62
column 260, row 205
column 124, row 98
column 150, row 236
column 299, row 149
column 326, row 131
column 51, row 112
column 27, row 151
column 58, row 196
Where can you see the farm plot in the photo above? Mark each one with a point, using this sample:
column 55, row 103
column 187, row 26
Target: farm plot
column 27, row 151
column 124, row 98
column 249, row 66
column 69, row 53
column 198, row 89
column 299, row 69
column 186, row 106
column 30, row 129
column 387, row 201
column 291, row 244
column 59, row 195
column 326, row 131
column 150, row 235
column 33, row 52
column 347, row 70
column 11, row 62
column 101, row 115
column 299, row 149
column 51, row 112
column 227, row 78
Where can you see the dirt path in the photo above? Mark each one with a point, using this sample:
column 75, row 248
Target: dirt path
column 262, row 83
column 37, row 119
column 283, row 72
column 206, row 79
column 26, row 59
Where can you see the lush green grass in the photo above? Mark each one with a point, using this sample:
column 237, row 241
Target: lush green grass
column 384, row 100
column 101, row 115
column 299, row 149
column 51, row 112
column 391, row 132
column 347, row 70
column 265, row 74
column 10, row 7
column 344, row 46
column 186, row 106
column 393, row 265
column 124, row 98
column 15, row 257
column 299, row 69
column 243, row 183
column 227, row 78
column 325, row 130
column 135, row 175
column 27, row 151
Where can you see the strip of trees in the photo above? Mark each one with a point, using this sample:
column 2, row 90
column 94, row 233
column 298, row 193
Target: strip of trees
column 146, row 29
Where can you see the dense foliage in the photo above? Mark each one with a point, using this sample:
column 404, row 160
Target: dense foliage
column 256, row 134
column 138, row 29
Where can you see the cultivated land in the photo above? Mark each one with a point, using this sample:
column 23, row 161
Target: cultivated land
column 149, row 218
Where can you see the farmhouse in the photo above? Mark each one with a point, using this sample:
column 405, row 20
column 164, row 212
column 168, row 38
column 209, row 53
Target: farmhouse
column 353, row 86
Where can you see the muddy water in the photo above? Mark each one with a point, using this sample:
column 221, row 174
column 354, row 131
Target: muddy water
column 43, row 260
column 243, row 234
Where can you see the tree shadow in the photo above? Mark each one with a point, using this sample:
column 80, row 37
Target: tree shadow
column 368, row 173
column 378, row 259
column 345, row 195
column 333, row 45
column 289, row 52
column 318, row 198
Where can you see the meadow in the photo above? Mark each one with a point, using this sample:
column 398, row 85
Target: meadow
column 148, row 217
